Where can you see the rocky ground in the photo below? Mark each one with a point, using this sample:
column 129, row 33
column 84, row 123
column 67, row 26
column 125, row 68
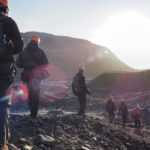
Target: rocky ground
column 57, row 130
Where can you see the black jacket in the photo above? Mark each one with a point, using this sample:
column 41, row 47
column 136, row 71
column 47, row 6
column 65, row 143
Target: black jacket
column 25, row 59
column 82, row 84
column 14, row 46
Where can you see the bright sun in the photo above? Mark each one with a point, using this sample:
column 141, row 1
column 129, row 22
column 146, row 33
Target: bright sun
column 128, row 36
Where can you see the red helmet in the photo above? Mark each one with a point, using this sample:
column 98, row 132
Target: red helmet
column 4, row 2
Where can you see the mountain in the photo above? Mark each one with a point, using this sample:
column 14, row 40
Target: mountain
column 66, row 53
column 121, row 82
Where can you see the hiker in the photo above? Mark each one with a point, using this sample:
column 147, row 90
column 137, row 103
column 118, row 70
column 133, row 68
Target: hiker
column 80, row 90
column 11, row 43
column 136, row 114
column 110, row 108
column 123, row 112
column 145, row 114
column 34, row 61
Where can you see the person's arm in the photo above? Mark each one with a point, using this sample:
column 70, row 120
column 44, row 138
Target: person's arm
column 16, row 44
column 73, row 90
column 106, row 107
column 83, row 85
column 45, row 61
column 19, row 61
column 127, row 110
column 119, row 111
column 115, row 109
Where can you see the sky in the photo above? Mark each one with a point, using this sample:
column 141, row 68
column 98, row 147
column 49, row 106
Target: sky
column 123, row 26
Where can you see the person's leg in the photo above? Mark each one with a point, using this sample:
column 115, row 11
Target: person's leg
column 136, row 123
column 83, row 104
column 139, row 123
column 110, row 117
column 35, row 104
column 80, row 105
column 34, row 90
column 30, row 101
column 5, row 97
column 29, row 97
column 4, row 131
column 124, row 120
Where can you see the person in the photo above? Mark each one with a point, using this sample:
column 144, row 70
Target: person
column 136, row 114
column 123, row 111
column 80, row 89
column 145, row 115
column 11, row 43
column 110, row 108
column 33, row 60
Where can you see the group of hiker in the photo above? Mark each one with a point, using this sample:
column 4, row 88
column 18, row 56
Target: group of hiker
column 11, row 43
column 34, row 62
column 137, row 114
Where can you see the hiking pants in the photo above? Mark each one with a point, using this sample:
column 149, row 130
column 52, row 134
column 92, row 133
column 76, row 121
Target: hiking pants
column 111, row 116
column 82, row 103
column 137, row 122
column 4, row 133
column 4, row 129
column 33, row 96
column 124, row 119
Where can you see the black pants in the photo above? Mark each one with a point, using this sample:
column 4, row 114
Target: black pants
column 111, row 116
column 137, row 122
column 4, row 98
column 82, row 103
column 124, row 119
column 33, row 98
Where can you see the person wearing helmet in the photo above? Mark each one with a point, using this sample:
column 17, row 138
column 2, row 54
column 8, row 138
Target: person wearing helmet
column 123, row 112
column 80, row 90
column 136, row 114
column 110, row 108
column 11, row 43
column 33, row 60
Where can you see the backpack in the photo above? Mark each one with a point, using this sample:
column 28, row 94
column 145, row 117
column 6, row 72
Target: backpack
column 136, row 112
column 39, row 73
column 76, row 84
column 3, row 38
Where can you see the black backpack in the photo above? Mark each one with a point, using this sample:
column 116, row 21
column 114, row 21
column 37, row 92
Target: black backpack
column 3, row 38
column 76, row 84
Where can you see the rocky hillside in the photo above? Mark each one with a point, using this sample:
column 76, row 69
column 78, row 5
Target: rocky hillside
column 67, row 53
column 58, row 131
column 121, row 82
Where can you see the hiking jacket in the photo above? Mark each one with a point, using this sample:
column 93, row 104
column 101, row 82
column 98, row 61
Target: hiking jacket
column 83, row 88
column 136, row 113
column 110, row 106
column 27, row 62
column 14, row 46
column 123, row 110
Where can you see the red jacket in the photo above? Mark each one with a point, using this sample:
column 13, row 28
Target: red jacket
column 136, row 112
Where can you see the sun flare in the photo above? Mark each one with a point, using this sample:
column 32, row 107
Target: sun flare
column 128, row 36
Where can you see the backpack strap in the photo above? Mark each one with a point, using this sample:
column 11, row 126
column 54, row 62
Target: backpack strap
column 2, row 18
column 3, row 37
